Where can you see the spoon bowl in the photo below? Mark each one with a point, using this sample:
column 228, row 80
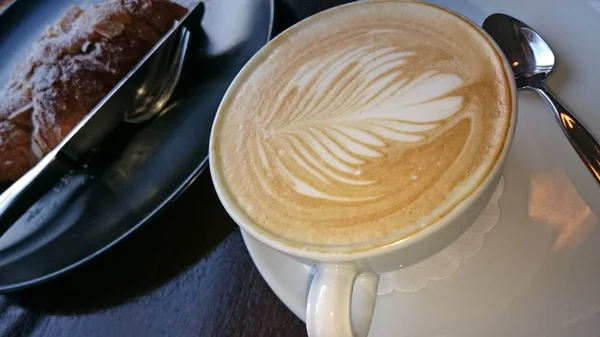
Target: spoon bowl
column 528, row 54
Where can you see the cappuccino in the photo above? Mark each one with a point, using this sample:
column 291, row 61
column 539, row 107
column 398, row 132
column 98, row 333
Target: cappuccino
column 362, row 125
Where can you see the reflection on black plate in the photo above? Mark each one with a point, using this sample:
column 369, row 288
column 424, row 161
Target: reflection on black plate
column 141, row 168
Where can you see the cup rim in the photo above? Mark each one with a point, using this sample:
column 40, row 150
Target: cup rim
column 462, row 206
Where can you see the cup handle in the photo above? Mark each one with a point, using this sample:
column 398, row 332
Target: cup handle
column 330, row 298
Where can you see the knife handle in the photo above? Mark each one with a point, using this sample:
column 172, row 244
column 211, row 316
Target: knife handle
column 34, row 184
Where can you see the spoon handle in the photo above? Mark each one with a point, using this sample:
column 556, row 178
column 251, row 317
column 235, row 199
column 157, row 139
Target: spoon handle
column 582, row 141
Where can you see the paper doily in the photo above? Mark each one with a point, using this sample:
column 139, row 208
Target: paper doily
column 445, row 263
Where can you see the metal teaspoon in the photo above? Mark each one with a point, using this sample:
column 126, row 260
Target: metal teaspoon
column 532, row 61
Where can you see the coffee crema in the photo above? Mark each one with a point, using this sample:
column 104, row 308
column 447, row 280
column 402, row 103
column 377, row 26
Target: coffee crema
column 362, row 125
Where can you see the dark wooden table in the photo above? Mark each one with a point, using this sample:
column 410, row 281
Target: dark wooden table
column 186, row 273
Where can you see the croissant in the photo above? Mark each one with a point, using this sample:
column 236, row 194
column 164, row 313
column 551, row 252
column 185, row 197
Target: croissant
column 74, row 64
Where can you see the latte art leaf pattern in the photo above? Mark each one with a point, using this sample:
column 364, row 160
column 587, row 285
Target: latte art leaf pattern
column 342, row 113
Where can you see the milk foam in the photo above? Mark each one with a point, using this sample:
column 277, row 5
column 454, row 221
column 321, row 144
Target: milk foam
column 364, row 125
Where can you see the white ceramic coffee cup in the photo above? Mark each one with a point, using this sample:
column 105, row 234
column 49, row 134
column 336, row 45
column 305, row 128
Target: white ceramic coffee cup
column 334, row 287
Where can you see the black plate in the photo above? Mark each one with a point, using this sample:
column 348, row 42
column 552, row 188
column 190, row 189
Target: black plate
column 141, row 168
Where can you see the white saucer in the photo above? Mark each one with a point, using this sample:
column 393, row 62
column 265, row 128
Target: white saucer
column 538, row 272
